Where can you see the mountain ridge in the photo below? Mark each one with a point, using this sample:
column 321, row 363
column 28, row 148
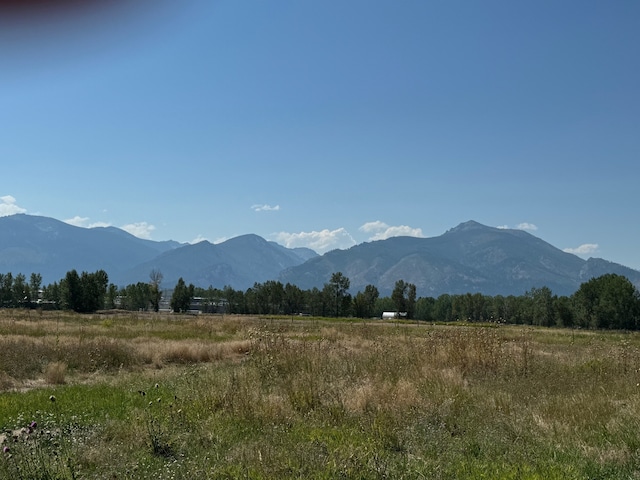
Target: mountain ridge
column 469, row 257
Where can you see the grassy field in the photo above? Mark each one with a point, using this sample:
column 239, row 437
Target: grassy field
column 136, row 396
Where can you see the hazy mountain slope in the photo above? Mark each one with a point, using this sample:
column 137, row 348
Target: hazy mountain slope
column 238, row 262
column 595, row 267
column 34, row 244
column 468, row 258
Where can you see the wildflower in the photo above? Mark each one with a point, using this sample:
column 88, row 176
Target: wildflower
column 157, row 385
column 52, row 398
column 33, row 425
column 6, row 450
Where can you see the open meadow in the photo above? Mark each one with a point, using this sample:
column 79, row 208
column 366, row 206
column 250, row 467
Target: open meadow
column 137, row 396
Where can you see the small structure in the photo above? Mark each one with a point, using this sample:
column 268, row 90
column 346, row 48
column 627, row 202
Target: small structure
column 392, row 315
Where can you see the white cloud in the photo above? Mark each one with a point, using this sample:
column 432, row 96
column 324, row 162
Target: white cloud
column 584, row 249
column 520, row 226
column 198, row 239
column 8, row 206
column 99, row 224
column 140, row 229
column 321, row 241
column 83, row 222
column 376, row 226
column 527, row 226
column 265, row 208
column 382, row 231
column 77, row 221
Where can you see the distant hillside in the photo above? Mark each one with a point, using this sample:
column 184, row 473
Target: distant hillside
column 34, row 244
column 468, row 258
column 238, row 262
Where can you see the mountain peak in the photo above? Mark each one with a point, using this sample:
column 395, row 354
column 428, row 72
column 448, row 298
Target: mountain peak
column 467, row 226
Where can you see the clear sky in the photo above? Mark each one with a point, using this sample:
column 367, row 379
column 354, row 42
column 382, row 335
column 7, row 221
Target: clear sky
column 328, row 123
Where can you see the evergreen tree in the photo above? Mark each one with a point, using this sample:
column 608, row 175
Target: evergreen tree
column 364, row 302
column 182, row 295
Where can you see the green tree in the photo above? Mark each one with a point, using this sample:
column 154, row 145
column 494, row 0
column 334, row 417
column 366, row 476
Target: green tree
column 364, row 302
column 35, row 284
column 541, row 303
column 71, row 291
column 563, row 310
column 608, row 301
column 6, row 289
column 293, row 299
column 404, row 297
column 425, row 308
column 20, row 291
column 53, row 293
column 236, row 301
column 442, row 308
column 84, row 293
column 317, row 302
column 411, row 301
column 337, row 293
column 136, row 296
column 93, row 290
column 182, row 295
column 266, row 298
column 398, row 296
column 155, row 280
column 112, row 295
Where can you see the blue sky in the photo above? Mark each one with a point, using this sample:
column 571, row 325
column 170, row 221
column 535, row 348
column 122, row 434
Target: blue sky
column 326, row 124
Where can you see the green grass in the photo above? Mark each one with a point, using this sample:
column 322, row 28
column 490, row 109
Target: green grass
column 227, row 397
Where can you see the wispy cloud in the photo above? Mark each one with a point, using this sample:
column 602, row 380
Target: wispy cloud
column 381, row 231
column 83, row 222
column 265, row 208
column 8, row 206
column 139, row 229
column 521, row 226
column 198, row 239
column 321, row 241
column 77, row 221
column 584, row 249
column 373, row 226
column 527, row 226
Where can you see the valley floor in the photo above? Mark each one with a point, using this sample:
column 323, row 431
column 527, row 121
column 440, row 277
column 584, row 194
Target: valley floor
column 135, row 396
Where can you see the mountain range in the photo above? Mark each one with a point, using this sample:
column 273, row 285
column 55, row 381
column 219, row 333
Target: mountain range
column 468, row 258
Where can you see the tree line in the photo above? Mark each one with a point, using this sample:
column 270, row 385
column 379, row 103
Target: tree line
column 610, row 301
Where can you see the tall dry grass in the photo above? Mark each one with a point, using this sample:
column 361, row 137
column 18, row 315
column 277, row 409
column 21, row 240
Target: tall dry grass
column 269, row 398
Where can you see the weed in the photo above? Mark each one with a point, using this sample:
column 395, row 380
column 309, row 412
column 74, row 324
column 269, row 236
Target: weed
column 40, row 449
column 283, row 398
column 55, row 373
